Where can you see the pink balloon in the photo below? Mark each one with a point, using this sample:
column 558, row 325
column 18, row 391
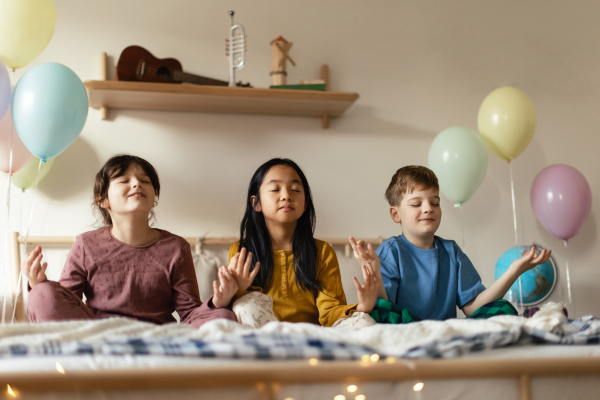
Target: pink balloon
column 21, row 155
column 561, row 199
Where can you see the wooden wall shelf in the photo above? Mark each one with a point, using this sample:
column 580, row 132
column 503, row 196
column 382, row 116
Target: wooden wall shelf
column 217, row 99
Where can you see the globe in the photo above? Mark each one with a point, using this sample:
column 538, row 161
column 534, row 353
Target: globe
column 537, row 283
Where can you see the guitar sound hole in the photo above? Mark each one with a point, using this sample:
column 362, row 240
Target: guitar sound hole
column 163, row 73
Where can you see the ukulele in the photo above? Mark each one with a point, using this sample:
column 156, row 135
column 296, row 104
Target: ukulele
column 138, row 64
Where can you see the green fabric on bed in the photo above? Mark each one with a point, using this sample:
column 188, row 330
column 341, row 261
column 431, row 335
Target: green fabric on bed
column 386, row 312
column 498, row 307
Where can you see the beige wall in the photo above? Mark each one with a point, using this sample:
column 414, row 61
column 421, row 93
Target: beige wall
column 419, row 67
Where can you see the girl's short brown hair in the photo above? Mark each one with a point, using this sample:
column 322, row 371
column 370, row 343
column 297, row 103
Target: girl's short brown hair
column 407, row 179
column 115, row 167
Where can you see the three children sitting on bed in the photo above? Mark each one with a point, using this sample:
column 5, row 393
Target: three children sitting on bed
column 130, row 269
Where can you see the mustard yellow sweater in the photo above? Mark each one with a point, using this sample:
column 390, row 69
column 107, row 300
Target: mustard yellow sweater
column 293, row 304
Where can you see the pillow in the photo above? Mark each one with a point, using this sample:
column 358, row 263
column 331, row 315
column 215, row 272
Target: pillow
column 206, row 267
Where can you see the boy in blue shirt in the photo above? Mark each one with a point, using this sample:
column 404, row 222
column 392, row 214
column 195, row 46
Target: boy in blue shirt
column 424, row 273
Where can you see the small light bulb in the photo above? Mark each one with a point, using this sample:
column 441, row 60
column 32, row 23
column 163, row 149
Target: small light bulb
column 375, row 358
column 352, row 388
column 360, row 397
column 10, row 391
column 339, row 397
column 313, row 361
column 59, row 368
column 418, row 387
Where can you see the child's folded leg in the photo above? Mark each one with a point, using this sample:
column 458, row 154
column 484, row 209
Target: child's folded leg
column 49, row 301
column 494, row 308
column 386, row 312
column 201, row 315
column 254, row 310
column 356, row 320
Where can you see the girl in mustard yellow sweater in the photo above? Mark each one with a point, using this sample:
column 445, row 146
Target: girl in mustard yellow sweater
column 299, row 272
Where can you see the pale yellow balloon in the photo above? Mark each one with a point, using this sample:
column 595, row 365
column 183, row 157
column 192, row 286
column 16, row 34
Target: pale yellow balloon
column 26, row 176
column 26, row 27
column 507, row 122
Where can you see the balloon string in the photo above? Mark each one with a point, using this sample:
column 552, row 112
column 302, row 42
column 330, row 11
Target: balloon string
column 19, row 286
column 514, row 209
column 7, row 257
column 462, row 224
column 569, row 281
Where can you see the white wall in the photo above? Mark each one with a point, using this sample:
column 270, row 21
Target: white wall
column 419, row 68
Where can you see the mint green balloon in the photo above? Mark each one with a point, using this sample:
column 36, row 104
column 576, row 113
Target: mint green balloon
column 459, row 158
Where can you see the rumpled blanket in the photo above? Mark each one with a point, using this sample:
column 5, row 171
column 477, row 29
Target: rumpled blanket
column 281, row 340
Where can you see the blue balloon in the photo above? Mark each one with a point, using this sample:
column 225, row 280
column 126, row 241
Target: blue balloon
column 49, row 108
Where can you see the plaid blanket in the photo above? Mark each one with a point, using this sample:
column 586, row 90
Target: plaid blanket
column 581, row 331
column 281, row 346
column 274, row 346
column 459, row 345
column 279, row 343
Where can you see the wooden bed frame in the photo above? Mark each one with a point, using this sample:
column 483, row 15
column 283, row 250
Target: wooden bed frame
column 265, row 376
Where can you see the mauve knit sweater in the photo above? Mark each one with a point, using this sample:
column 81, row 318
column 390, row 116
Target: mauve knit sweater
column 147, row 283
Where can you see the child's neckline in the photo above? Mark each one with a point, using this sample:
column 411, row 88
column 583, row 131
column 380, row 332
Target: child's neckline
column 162, row 233
column 282, row 251
column 412, row 246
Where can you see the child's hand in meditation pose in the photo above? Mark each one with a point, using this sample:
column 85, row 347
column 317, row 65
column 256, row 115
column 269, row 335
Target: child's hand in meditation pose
column 499, row 288
column 239, row 267
column 33, row 269
column 368, row 256
column 530, row 260
column 367, row 293
column 224, row 291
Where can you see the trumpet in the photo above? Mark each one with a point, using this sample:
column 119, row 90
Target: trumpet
column 235, row 49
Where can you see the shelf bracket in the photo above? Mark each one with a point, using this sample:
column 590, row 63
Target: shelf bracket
column 104, row 77
column 325, row 77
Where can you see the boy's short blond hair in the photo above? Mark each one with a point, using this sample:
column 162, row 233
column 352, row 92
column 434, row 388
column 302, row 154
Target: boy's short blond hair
column 407, row 179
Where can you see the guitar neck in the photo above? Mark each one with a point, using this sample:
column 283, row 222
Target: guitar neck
column 197, row 79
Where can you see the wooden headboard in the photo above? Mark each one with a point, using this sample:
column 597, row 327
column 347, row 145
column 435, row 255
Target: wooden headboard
column 15, row 242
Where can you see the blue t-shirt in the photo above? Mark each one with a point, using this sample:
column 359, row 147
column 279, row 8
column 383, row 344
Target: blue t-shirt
column 430, row 283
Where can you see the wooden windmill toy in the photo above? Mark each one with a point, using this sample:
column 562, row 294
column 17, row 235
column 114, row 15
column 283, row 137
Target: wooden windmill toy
column 279, row 55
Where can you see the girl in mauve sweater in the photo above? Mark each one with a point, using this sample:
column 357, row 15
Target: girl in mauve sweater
column 126, row 268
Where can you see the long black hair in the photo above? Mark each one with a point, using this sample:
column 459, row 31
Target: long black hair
column 254, row 235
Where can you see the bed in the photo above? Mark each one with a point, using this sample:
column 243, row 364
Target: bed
column 501, row 358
